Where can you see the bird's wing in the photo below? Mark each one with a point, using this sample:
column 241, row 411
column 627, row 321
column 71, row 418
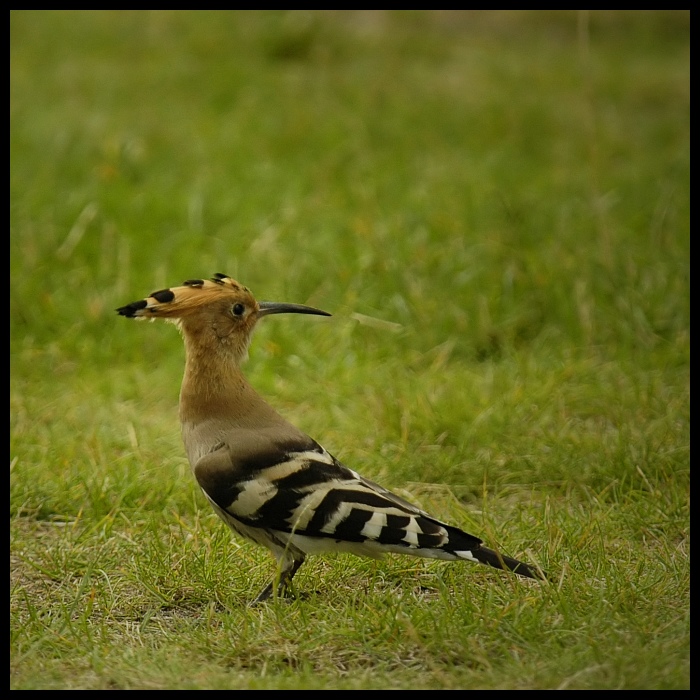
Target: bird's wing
column 307, row 492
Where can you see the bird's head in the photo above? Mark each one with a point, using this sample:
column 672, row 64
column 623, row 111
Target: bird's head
column 216, row 312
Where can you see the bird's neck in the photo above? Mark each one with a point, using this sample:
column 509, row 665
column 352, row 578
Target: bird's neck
column 214, row 387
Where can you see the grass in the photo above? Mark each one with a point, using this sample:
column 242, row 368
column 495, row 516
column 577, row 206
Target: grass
column 494, row 206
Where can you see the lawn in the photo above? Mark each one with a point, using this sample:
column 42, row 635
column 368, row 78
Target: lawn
column 495, row 208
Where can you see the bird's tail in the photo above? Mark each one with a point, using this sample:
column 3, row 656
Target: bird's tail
column 500, row 561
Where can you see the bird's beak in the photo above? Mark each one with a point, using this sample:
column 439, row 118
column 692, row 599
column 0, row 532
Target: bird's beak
column 274, row 307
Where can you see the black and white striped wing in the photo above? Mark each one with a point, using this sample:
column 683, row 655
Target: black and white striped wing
column 322, row 505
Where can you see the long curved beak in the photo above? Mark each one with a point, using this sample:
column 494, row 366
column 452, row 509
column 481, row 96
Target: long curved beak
column 274, row 307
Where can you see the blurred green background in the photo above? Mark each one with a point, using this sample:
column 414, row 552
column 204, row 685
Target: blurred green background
column 486, row 176
column 494, row 206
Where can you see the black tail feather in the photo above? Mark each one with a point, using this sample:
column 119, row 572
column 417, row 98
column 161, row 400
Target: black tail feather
column 500, row 561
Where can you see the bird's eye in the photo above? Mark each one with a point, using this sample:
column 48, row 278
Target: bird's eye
column 238, row 309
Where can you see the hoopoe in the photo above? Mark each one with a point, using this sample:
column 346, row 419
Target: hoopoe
column 265, row 478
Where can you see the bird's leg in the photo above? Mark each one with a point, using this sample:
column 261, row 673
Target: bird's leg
column 264, row 594
column 282, row 586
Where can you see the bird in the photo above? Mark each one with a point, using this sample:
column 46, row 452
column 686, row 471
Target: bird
column 267, row 480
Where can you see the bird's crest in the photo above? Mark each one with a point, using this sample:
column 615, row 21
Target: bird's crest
column 191, row 297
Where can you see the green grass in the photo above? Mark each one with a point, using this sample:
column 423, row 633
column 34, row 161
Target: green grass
column 495, row 208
